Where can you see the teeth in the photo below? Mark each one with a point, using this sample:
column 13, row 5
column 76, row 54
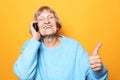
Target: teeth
column 47, row 27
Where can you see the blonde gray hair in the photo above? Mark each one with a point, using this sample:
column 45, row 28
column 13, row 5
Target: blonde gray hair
column 41, row 9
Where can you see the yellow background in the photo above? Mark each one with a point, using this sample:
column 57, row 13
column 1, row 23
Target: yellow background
column 88, row 21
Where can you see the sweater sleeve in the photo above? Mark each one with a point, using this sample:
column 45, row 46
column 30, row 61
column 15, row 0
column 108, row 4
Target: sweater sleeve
column 25, row 66
column 98, row 75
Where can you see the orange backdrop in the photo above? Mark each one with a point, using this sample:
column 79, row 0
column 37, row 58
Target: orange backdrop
column 88, row 21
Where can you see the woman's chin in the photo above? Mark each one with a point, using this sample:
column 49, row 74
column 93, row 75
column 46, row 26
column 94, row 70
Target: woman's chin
column 50, row 34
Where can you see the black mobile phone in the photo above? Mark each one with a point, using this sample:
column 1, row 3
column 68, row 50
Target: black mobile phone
column 35, row 25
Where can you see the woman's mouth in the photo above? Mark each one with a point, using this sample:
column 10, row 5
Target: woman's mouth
column 47, row 26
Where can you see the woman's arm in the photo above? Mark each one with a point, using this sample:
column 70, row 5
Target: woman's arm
column 25, row 66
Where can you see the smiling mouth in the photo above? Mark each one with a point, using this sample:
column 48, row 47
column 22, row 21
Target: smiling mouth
column 47, row 27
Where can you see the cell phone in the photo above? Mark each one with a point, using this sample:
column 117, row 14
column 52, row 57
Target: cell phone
column 35, row 25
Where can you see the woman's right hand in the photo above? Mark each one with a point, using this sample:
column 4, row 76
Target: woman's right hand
column 35, row 35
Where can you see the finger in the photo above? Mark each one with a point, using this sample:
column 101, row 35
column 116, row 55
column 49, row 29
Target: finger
column 97, row 69
column 94, row 57
column 95, row 65
column 92, row 62
column 95, row 52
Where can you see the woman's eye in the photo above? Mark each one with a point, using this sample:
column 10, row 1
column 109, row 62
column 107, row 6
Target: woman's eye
column 51, row 17
column 40, row 19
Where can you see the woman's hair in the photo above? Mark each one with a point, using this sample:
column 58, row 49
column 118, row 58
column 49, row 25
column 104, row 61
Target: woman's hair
column 41, row 9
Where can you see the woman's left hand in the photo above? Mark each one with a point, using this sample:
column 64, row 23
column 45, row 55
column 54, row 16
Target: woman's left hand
column 95, row 61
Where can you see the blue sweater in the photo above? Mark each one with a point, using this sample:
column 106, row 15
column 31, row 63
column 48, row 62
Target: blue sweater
column 69, row 61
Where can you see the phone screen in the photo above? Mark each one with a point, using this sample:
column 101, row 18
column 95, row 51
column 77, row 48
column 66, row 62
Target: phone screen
column 35, row 25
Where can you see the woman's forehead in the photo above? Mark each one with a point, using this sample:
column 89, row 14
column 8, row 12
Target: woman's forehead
column 46, row 13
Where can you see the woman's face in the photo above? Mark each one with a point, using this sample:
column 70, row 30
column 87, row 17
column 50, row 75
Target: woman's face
column 47, row 23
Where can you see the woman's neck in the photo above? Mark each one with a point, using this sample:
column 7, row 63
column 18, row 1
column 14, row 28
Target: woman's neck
column 52, row 41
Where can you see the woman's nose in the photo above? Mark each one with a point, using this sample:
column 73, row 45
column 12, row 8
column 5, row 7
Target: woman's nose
column 47, row 21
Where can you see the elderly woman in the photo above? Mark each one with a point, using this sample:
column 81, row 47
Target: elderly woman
column 51, row 56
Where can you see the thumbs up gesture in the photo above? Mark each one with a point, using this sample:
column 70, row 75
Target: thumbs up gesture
column 95, row 61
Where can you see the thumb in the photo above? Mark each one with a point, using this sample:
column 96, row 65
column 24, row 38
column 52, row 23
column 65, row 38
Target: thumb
column 95, row 52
